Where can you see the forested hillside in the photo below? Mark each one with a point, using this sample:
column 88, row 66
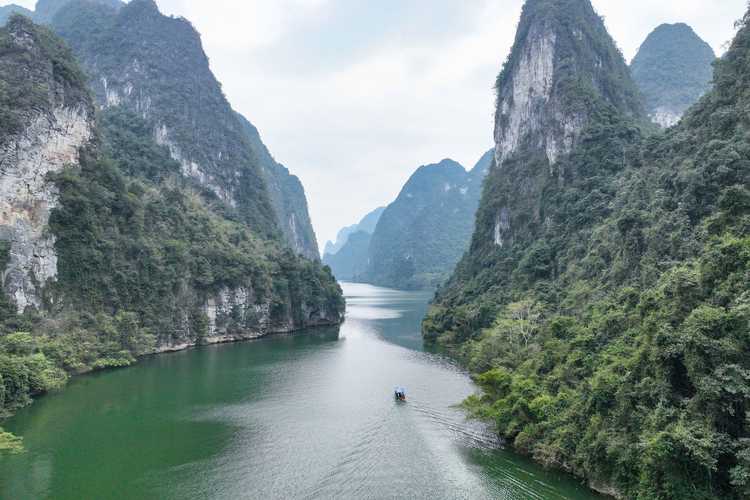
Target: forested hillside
column 673, row 69
column 110, row 249
column 287, row 197
column 425, row 231
column 604, row 305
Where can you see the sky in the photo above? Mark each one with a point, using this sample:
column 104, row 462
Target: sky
column 353, row 95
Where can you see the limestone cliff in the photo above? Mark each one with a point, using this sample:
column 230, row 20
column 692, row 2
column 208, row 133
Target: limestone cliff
column 98, row 220
column 50, row 120
column 155, row 66
column 604, row 300
column 560, row 45
column 287, row 197
column 564, row 84
column 564, row 69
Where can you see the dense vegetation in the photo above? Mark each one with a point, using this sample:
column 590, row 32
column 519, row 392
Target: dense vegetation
column 141, row 248
column 31, row 80
column 610, row 335
column 673, row 69
column 425, row 231
column 287, row 196
column 136, row 256
column 155, row 65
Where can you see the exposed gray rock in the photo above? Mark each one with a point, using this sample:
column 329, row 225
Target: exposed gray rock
column 47, row 145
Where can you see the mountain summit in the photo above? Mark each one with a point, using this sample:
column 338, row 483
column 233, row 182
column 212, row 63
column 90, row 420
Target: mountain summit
column 562, row 68
column 673, row 69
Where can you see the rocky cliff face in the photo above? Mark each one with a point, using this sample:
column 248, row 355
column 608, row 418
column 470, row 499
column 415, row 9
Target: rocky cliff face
column 421, row 236
column 560, row 44
column 97, row 219
column 155, row 65
column 563, row 81
column 604, row 300
column 130, row 54
column 563, row 69
column 51, row 128
column 673, row 69
column 287, row 197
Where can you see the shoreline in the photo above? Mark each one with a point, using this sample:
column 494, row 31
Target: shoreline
column 208, row 341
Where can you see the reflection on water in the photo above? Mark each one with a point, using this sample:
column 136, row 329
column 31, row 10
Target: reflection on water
column 302, row 416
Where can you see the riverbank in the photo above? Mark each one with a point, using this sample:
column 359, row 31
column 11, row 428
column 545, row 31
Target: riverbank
column 291, row 416
column 59, row 379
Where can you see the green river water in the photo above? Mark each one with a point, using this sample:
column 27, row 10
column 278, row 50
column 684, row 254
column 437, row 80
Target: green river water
column 305, row 416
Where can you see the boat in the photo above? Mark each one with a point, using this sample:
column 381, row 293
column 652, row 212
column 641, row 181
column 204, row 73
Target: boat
column 400, row 394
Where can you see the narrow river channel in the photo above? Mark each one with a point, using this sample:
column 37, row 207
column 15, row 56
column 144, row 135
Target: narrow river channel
column 310, row 415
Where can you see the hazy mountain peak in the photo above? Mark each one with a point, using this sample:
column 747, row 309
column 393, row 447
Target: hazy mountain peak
column 673, row 69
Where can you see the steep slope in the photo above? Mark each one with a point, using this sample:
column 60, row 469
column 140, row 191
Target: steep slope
column 127, row 54
column 46, row 119
column 155, row 66
column 107, row 252
column 287, row 197
column 367, row 225
column 673, row 69
column 564, row 83
column 604, row 302
column 425, row 231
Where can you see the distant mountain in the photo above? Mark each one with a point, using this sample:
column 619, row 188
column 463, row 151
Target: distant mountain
column 8, row 10
column 673, row 69
column 287, row 197
column 46, row 10
column 367, row 225
column 348, row 257
column 350, row 262
column 425, row 231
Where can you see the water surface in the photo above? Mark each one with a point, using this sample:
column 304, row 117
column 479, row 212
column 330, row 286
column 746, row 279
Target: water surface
column 305, row 416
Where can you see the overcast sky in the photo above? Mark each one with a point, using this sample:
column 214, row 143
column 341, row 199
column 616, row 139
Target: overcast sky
column 354, row 95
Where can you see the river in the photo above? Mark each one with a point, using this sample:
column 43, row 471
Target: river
column 307, row 416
